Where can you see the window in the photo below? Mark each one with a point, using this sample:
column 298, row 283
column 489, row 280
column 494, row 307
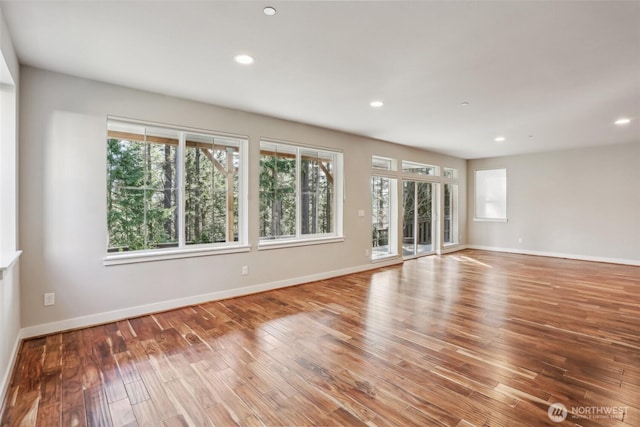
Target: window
column 419, row 168
column 417, row 218
column 382, row 163
column 450, row 214
column 383, row 216
column 171, row 188
column 450, row 173
column 8, row 168
column 299, row 192
column 491, row 195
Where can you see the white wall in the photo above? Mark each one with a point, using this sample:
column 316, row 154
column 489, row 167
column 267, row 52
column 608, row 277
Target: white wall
column 63, row 204
column 9, row 266
column 580, row 203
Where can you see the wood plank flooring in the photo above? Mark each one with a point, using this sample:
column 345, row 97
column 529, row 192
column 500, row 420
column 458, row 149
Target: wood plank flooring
column 467, row 339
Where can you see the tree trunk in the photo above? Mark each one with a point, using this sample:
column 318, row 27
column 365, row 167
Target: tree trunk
column 197, row 192
column 275, row 218
column 304, row 188
column 168, row 185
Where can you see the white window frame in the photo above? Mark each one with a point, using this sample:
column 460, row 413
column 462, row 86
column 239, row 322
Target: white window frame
column 502, row 196
column 393, row 214
column 338, row 182
column 454, row 173
column 8, row 169
column 455, row 213
column 392, row 164
column 418, row 175
column 183, row 250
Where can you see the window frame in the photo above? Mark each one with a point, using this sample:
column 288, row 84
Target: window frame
column 454, row 213
column 392, row 233
column 337, row 212
column 476, row 200
column 418, row 165
column 184, row 250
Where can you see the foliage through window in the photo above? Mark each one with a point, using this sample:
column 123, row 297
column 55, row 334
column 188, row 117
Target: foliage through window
column 297, row 191
column 450, row 213
column 382, row 216
column 170, row 188
column 417, row 221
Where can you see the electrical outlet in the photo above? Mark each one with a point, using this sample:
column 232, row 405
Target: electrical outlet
column 366, row 252
column 520, row 240
column 245, row 270
column 361, row 213
column 49, row 299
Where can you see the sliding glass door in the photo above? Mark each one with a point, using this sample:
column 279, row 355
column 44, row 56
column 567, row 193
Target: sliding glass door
column 417, row 223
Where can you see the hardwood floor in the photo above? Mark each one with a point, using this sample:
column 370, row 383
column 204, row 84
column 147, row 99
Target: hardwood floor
column 471, row 338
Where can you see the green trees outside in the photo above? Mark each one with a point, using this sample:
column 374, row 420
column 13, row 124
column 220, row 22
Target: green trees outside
column 380, row 205
column 140, row 195
column 417, row 198
column 143, row 199
column 278, row 187
column 211, row 191
column 160, row 195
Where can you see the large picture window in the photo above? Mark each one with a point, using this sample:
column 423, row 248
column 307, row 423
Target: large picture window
column 171, row 188
column 298, row 192
column 491, row 195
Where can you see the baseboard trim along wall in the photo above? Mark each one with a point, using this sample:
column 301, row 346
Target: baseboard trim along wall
column 6, row 376
column 557, row 255
column 141, row 310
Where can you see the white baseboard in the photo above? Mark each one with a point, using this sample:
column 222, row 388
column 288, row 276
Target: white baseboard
column 111, row 316
column 557, row 255
column 6, row 375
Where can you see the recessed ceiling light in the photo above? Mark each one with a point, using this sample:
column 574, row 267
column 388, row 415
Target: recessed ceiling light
column 269, row 11
column 499, row 139
column 244, row 59
column 465, row 104
column 623, row 121
column 376, row 104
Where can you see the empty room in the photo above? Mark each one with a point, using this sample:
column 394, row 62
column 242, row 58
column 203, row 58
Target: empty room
column 319, row 213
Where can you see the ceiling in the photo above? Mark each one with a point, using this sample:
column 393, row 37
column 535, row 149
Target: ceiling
column 544, row 75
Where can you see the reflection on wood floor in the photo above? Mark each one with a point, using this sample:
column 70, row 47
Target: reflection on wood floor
column 471, row 338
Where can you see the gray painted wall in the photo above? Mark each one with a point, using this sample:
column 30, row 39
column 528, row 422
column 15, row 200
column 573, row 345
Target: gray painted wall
column 63, row 200
column 582, row 203
column 10, row 282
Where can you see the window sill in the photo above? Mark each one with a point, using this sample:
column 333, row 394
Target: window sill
column 277, row 244
column 490, row 219
column 448, row 245
column 7, row 260
column 166, row 254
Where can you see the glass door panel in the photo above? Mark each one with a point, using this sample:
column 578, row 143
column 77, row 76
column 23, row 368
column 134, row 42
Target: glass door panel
column 408, row 218
column 424, row 198
column 417, row 218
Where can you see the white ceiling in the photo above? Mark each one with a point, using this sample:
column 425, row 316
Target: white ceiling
column 560, row 71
